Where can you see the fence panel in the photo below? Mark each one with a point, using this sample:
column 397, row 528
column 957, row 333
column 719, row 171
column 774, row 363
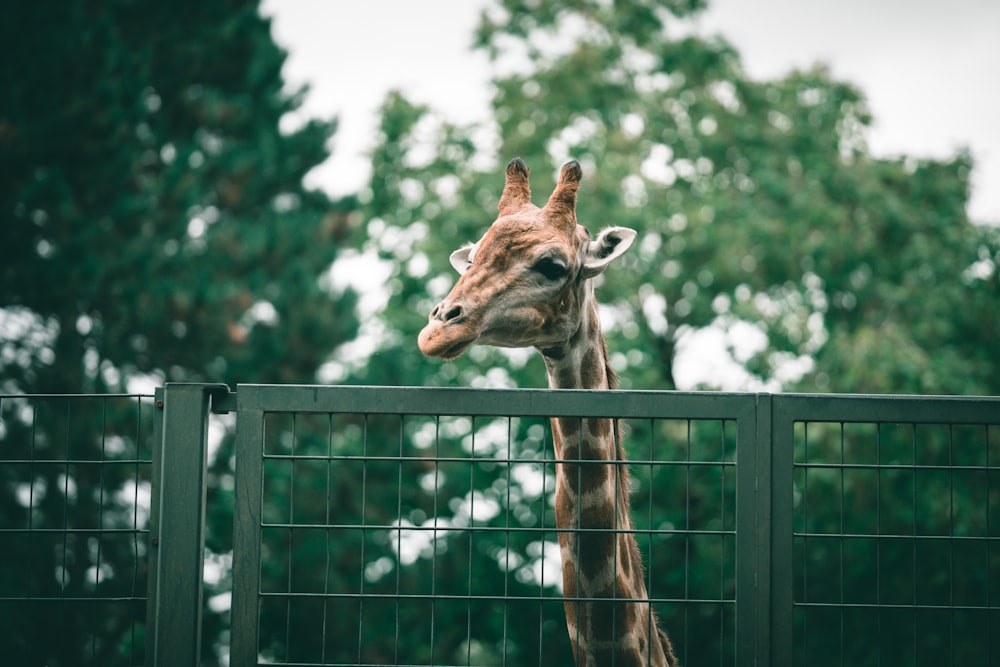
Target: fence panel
column 416, row 526
column 75, row 488
column 889, row 530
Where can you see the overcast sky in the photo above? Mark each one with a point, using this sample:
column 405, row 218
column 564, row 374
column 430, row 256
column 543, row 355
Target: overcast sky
column 930, row 69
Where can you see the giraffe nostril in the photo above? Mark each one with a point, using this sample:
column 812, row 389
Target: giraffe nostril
column 447, row 312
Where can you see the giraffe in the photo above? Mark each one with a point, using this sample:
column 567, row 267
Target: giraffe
column 528, row 283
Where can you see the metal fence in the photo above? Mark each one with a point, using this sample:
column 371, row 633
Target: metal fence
column 907, row 487
column 415, row 526
column 75, row 484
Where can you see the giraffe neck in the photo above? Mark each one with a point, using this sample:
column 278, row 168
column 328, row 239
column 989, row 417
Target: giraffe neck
column 594, row 497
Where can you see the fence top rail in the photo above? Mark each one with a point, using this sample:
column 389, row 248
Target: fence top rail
column 71, row 395
column 459, row 401
column 456, row 401
column 886, row 409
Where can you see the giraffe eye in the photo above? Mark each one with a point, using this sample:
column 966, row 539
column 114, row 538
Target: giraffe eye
column 550, row 268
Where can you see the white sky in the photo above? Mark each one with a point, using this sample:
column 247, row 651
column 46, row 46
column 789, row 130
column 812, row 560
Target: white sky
column 930, row 69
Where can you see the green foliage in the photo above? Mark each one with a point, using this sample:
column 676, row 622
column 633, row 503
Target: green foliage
column 757, row 203
column 155, row 225
column 154, row 214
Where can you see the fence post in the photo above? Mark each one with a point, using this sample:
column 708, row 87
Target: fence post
column 782, row 526
column 753, row 532
column 244, row 636
column 177, row 524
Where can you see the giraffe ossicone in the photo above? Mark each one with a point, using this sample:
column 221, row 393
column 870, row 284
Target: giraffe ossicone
column 528, row 283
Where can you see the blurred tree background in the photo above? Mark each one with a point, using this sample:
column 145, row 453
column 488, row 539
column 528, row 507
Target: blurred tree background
column 155, row 220
column 155, row 228
column 762, row 218
column 760, row 211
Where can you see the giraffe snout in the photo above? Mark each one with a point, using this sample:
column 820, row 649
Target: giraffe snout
column 449, row 331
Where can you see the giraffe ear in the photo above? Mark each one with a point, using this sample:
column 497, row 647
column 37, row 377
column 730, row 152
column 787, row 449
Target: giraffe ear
column 461, row 259
column 610, row 243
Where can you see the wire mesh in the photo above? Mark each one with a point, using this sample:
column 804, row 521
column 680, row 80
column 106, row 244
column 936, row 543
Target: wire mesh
column 371, row 530
column 897, row 543
column 432, row 540
column 74, row 510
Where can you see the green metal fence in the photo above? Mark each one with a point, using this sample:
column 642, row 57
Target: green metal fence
column 415, row 526
column 75, row 485
column 886, row 527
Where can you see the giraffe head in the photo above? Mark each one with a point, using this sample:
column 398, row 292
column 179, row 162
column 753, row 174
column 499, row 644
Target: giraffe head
column 525, row 282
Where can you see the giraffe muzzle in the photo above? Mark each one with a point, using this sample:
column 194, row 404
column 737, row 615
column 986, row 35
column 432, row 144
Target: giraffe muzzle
column 448, row 332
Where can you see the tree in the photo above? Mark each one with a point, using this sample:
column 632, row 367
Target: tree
column 758, row 203
column 155, row 225
column 760, row 210
column 156, row 221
